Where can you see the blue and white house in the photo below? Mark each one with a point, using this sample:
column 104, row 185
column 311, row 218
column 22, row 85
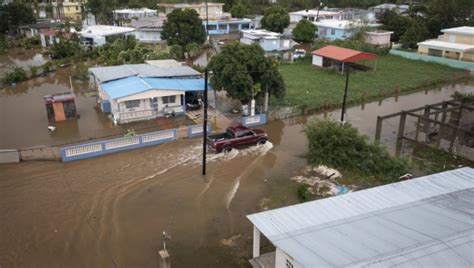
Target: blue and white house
column 228, row 26
column 269, row 41
column 138, row 92
column 340, row 29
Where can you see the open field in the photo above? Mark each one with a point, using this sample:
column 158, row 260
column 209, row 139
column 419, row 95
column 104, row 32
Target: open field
column 309, row 87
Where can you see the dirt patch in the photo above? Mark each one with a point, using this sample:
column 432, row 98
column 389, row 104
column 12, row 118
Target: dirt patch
column 231, row 241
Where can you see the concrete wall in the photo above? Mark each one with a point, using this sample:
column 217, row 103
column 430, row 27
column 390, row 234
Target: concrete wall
column 283, row 260
column 333, row 33
column 317, row 60
column 417, row 56
column 9, row 156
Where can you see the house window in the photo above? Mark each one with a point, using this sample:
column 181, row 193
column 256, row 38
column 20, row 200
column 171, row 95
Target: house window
column 169, row 99
column 333, row 31
column 289, row 264
column 77, row 8
column 132, row 104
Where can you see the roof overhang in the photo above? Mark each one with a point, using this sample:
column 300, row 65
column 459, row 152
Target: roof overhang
column 343, row 54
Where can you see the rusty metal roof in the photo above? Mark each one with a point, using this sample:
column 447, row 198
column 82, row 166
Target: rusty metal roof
column 343, row 54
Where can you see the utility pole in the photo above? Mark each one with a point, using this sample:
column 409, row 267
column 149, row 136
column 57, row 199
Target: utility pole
column 345, row 94
column 204, row 136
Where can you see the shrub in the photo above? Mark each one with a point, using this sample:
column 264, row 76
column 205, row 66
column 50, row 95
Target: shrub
column 341, row 146
column 33, row 70
column 192, row 49
column 17, row 75
column 80, row 71
column 303, row 193
column 176, row 52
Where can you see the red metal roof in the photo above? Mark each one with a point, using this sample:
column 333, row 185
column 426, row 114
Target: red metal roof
column 343, row 54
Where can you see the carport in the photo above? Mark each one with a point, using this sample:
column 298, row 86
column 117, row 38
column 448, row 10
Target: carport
column 337, row 57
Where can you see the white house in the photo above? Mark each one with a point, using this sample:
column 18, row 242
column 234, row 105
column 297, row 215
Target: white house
column 269, row 41
column 340, row 29
column 148, row 30
column 96, row 35
column 423, row 222
column 145, row 91
column 134, row 13
column 314, row 15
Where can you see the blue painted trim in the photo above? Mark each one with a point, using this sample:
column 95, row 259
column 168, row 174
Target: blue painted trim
column 197, row 134
column 259, row 119
column 141, row 143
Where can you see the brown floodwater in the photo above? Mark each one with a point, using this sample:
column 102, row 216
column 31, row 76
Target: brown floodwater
column 23, row 58
column 24, row 122
column 110, row 211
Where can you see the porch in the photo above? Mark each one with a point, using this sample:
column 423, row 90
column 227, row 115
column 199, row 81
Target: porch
column 266, row 260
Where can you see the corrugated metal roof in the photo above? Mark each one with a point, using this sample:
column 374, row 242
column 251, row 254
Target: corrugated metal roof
column 424, row 221
column 133, row 85
column 110, row 73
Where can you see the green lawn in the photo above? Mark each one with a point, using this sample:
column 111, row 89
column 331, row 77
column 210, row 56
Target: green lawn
column 310, row 87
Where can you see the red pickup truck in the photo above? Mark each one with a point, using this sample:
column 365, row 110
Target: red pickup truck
column 236, row 137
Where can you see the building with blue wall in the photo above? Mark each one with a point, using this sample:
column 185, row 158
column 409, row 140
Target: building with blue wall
column 339, row 29
column 228, row 26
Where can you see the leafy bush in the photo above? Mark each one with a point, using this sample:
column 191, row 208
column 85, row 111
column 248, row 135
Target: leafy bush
column 33, row 70
column 305, row 31
column 17, row 75
column 192, row 49
column 303, row 193
column 80, row 71
column 176, row 52
column 341, row 146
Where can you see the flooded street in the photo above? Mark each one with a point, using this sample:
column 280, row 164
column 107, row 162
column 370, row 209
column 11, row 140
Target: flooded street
column 110, row 211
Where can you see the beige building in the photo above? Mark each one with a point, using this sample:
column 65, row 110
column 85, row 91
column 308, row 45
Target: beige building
column 455, row 43
column 214, row 10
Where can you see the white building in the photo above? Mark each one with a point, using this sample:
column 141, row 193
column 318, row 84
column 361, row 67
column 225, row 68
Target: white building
column 96, row 35
column 148, row 30
column 138, row 92
column 340, row 29
column 134, row 13
column 423, row 222
column 269, row 41
column 314, row 15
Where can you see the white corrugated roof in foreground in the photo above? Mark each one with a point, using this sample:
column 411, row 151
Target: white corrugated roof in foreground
column 428, row 221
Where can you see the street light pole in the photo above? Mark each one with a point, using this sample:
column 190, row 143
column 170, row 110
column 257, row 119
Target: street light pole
column 345, row 94
column 204, row 136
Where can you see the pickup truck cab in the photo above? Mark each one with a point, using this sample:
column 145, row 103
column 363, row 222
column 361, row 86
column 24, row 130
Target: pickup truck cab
column 236, row 138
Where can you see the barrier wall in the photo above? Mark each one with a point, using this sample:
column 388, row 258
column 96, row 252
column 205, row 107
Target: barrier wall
column 197, row 130
column 116, row 145
column 9, row 156
column 255, row 120
column 416, row 56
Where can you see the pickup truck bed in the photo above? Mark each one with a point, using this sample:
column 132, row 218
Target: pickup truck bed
column 236, row 138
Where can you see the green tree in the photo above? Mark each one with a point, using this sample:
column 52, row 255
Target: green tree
column 397, row 24
column 13, row 15
column 183, row 27
column 417, row 32
column 238, row 11
column 276, row 19
column 239, row 68
column 305, row 31
column 192, row 49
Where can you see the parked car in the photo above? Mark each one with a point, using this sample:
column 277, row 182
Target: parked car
column 299, row 53
column 236, row 138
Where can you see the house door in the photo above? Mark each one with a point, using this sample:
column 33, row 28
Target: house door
column 154, row 104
